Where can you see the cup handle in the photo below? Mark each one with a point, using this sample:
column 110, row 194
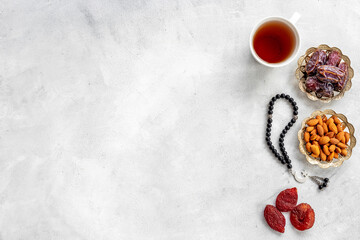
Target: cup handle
column 295, row 17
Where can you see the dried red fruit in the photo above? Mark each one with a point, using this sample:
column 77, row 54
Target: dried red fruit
column 287, row 200
column 302, row 217
column 274, row 218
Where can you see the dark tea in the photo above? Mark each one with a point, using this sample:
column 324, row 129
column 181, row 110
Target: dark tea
column 274, row 41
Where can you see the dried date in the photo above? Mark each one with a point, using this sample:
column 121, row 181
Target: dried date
column 326, row 90
column 317, row 59
column 334, row 58
column 342, row 83
column 312, row 84
column 328, row 73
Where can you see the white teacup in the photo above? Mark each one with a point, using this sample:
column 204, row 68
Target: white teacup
column 291, row 24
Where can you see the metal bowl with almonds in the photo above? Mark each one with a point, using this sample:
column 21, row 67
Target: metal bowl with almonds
column 302, row 74
column 326, row 138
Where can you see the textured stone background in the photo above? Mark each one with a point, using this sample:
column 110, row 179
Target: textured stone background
column 146, row 119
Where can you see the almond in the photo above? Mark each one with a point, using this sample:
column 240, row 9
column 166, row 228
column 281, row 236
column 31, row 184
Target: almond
column 330, row 120
column 313, row 137
column 338, row 150
column 322, row 156
column 324, row 140
column 334, row 141
column 336, row 155
column 343, row 140
column 308, row 147
column 312, row 122
column 313, row 132
column 315, row 143
column 332, row 148
column 326, row 129
column 339, row 127
column 326, row 150
column 315, row 149
column 330, row 134
column 309, row 129
column 320, row 129
column 333, row 128
column 330, row 157
column 307, row 136
column 318, row 117
column 324, row 119
column 347, row 137
column 344, row 152
column 314, row 156
column 336, row 119
column 340, row 135
column 341, row 145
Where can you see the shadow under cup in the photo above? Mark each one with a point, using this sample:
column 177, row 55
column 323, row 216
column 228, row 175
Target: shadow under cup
column 275, row 42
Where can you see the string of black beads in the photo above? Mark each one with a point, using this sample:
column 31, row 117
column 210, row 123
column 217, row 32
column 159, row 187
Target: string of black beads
column 283, row 157
column 321, row 182
column 324, row 184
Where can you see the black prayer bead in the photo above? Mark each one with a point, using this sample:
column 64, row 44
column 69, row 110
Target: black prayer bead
column 283, row 156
